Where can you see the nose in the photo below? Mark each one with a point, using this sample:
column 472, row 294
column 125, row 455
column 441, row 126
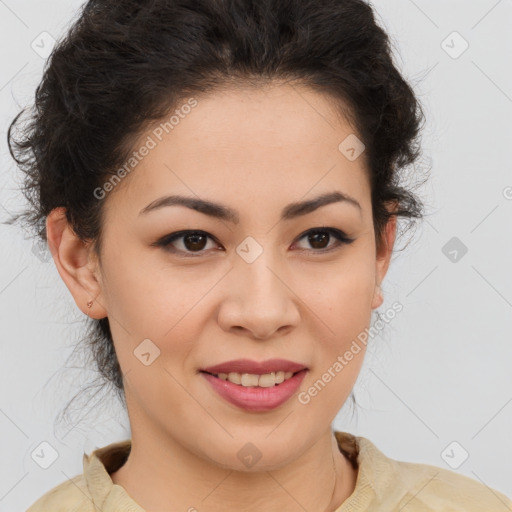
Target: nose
column 258, row 302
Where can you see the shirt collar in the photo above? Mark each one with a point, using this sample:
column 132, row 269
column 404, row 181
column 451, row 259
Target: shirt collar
column 375, row 473
column 106, row 495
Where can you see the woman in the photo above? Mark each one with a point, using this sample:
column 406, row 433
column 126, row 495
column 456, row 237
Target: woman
column 219, row 185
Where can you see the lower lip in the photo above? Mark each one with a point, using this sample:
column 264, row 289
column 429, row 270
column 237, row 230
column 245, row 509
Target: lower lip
column 256, row 398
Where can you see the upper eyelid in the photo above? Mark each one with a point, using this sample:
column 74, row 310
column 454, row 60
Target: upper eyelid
column 167, row 240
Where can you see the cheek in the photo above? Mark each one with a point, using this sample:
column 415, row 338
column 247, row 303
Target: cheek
column 342, row 295
column 343, row 309
column 169, row 312
column 145, row 296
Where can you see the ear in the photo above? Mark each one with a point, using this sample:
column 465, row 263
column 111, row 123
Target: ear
column 76, row 263
column 383, row 255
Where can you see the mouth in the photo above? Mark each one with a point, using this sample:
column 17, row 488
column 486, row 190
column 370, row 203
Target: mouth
column 255, row 392
column 253, row 380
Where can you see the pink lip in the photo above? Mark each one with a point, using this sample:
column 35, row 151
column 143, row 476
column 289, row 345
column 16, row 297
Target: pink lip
column 256, row 398
column 255, row 367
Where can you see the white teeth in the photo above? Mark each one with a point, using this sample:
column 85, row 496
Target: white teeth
column 234, row 377
column 250, row 380
column 267, row 381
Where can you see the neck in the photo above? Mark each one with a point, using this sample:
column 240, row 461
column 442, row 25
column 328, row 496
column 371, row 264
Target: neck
column 158, row 473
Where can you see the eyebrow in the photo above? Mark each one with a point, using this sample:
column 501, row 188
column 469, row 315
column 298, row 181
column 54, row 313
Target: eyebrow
column 219, row 211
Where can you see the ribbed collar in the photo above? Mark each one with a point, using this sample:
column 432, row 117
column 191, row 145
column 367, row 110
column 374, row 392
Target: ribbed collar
column 375, row 473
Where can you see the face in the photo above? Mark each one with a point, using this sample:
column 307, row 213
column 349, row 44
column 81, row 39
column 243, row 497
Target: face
column 270, row 281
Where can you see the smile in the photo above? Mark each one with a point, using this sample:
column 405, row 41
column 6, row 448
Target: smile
column 248, row 380
column 250, row 395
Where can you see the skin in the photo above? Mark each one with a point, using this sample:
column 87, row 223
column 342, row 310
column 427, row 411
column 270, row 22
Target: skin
column 256, row 151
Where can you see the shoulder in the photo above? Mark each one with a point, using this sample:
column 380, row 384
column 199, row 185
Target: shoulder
column 422, row 487
column 431, row 488
column 69, row 496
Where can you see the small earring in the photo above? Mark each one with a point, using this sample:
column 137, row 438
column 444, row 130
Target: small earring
column 89, row 304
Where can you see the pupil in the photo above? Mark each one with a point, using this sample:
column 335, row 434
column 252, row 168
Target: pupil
column 194, row 239
column 324, row 236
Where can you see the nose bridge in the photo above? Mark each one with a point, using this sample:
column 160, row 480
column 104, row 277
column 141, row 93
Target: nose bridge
column 259, row 279
column 258, row 299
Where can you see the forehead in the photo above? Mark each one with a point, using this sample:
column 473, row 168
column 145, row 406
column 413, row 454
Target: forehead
column 278, row 140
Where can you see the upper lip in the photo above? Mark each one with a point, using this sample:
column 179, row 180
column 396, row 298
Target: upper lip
column 255, row 367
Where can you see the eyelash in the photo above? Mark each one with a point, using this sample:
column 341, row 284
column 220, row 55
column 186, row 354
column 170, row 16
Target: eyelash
column 167, row 240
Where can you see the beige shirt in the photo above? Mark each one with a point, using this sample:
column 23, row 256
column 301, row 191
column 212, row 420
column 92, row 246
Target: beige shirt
column 383, row 484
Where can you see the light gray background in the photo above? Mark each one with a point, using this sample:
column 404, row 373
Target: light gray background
column 441, row 370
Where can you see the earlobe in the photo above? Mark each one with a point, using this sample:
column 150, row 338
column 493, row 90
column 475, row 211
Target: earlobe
column 72, row 259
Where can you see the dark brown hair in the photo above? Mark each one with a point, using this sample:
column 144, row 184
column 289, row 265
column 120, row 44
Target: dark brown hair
column 125, row 63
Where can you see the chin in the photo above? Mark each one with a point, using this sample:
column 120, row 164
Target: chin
column 251, row 453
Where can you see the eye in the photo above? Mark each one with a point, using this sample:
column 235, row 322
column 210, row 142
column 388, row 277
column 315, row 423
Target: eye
column 319, row 238
column 191, row 242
